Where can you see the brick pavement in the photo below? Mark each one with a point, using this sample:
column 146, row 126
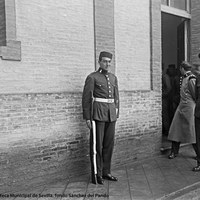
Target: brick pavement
column 155, row 178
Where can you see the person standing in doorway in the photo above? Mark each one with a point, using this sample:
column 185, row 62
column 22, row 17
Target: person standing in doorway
column 172, row 73
column 182, row 129
column 176, row 91
column 166, row 89
column 100, row 102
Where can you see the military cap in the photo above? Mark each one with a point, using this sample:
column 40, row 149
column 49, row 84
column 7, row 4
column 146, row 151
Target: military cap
column 105, row 54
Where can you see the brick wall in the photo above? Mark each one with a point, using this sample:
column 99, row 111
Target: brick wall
column 104, row 29
column 132, row 37
column 43, row 137
column 2, row 23
column 195, row 30
column 138, row 128
column 138, row 67
column 56, row 55
column 155, row 29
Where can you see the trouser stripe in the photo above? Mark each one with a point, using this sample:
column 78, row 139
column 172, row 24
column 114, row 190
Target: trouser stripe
column 94, row 146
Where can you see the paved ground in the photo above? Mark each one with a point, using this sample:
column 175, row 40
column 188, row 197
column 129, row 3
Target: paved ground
column 155, row 178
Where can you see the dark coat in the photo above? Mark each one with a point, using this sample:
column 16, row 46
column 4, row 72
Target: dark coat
column 197, row 108
column 182, row 128
column 101, row 85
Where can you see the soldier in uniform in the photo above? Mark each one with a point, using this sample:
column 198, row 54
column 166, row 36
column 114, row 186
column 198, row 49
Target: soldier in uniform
column 182, row 129
column 100, row 102
column 197, row 115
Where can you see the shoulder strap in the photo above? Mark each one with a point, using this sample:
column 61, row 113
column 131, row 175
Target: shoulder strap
column 192, row 76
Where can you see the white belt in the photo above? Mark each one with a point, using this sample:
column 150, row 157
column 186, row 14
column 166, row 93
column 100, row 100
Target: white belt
column 104, row 100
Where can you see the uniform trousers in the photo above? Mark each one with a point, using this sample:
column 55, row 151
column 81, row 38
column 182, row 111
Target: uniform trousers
column 176, row 146
column 105, row 133
column 197, row 131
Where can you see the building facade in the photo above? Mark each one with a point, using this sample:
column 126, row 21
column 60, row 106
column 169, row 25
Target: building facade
column 47, row 49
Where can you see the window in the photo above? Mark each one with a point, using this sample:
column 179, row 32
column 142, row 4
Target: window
column 10, row 48
column 179, row 4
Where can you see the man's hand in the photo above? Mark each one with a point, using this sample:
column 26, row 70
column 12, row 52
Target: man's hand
column 89, row 125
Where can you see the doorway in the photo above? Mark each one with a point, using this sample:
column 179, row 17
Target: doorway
column 174, row 39
column 175, row 47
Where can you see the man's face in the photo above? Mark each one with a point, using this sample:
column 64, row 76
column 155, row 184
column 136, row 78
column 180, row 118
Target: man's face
column 105, row 63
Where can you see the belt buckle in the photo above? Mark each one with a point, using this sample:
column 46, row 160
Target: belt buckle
column 109, row 100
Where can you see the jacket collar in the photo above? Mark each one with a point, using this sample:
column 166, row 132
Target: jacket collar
column 187, row 74
column 102, row 71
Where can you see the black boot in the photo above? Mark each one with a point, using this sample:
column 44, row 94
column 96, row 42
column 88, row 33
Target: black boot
column 100, row 180
column 196, row 169
column 172, row 155
column 94, row 178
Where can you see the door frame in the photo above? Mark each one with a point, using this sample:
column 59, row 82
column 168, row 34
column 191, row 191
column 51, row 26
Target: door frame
column 166, row 144
column 184, row 14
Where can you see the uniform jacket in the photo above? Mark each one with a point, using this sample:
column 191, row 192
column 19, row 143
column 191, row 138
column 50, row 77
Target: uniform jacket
column 102, row 85
column 182, row 128
column 197, row 108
